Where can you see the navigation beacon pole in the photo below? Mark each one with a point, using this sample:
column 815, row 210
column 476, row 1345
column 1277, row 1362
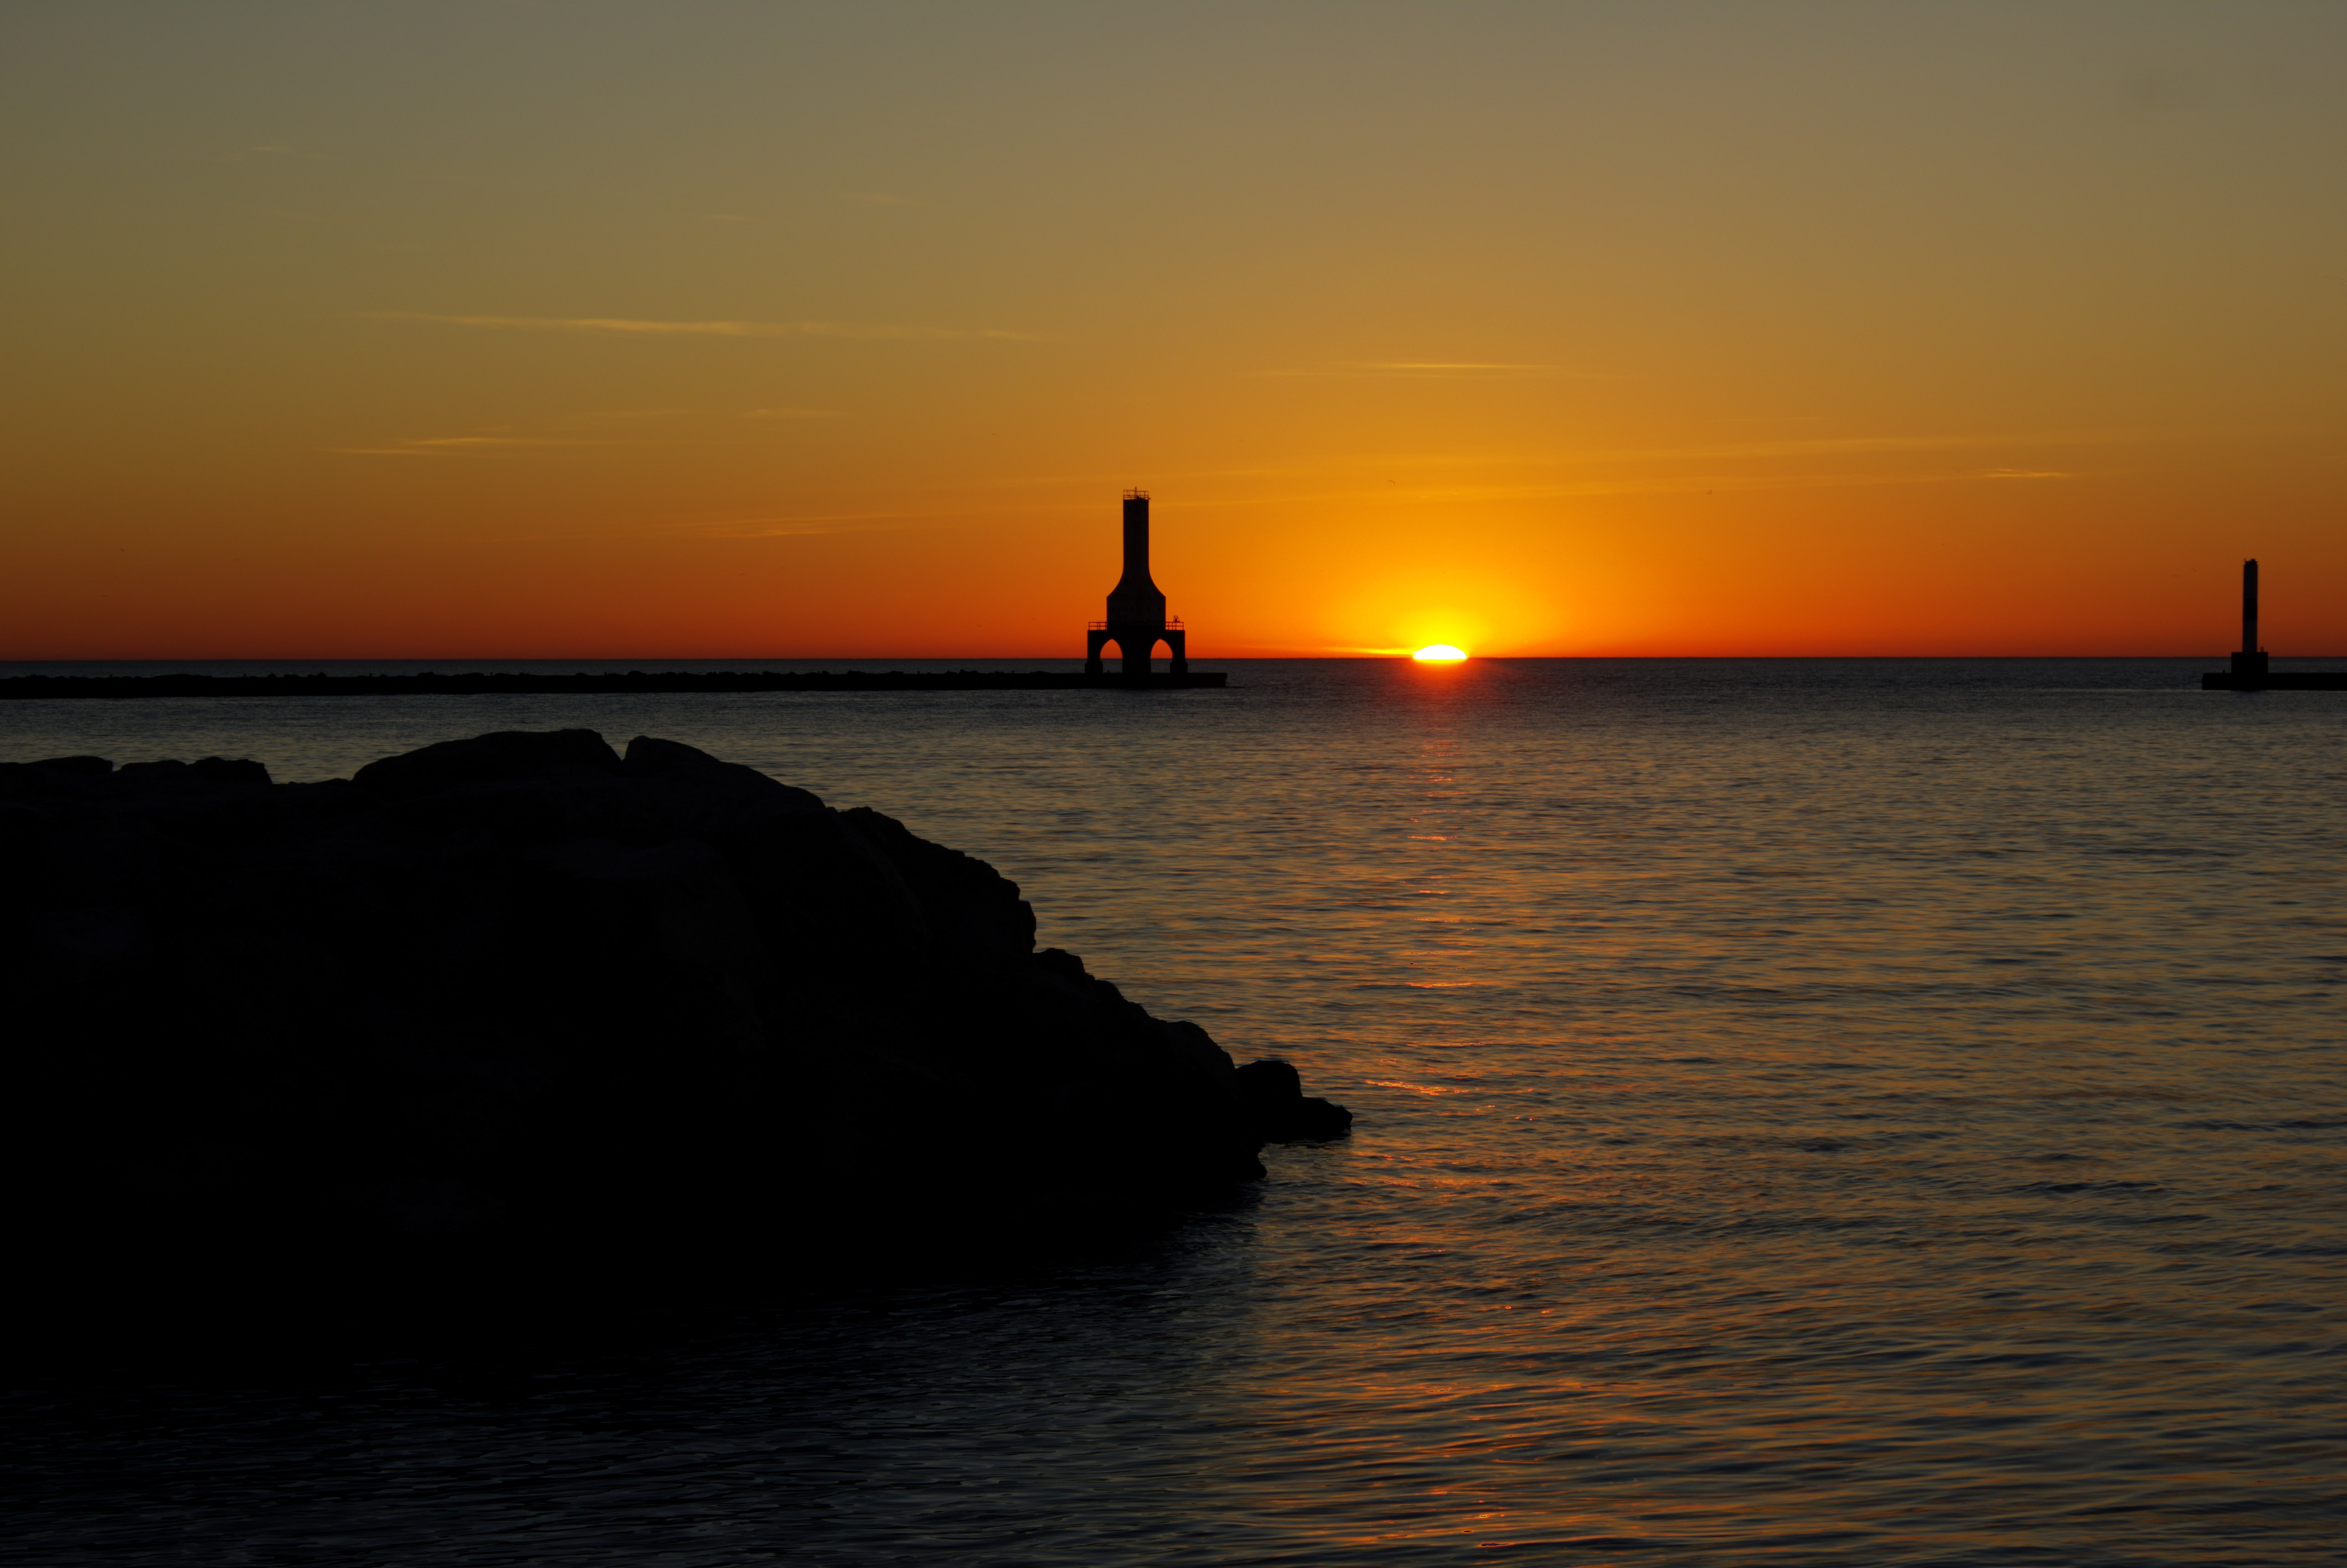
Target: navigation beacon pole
column 2251, row 661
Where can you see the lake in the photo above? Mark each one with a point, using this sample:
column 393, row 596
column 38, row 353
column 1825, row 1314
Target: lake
column 1809, row 1112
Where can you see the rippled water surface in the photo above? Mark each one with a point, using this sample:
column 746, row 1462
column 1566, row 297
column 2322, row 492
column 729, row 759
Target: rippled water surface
column 1841, row 1113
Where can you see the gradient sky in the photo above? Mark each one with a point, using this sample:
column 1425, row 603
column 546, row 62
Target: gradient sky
column 710, row 330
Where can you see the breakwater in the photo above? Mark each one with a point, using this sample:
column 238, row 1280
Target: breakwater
column 2275, row 680
column 481, row 683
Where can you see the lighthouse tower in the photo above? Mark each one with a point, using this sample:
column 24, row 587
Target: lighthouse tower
column 1136, row 620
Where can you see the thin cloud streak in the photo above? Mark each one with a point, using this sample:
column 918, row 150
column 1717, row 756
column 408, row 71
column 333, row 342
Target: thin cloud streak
column 1845, row 446
column 626, row 327
column 801, row 528
column 1469, row 495
column 495, row 441
column 747, row 528
column 1320, row 468
column 1430, row 369
column 1407, row 365
column 452, row 445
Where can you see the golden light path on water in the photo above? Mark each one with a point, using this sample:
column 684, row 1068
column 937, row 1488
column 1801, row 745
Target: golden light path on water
column 1839, row 1114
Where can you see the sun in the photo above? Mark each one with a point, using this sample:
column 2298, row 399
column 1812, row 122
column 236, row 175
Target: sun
column 1440, row 653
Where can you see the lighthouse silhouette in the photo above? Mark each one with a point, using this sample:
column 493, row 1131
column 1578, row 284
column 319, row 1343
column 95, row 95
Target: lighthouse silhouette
column 1136, row 620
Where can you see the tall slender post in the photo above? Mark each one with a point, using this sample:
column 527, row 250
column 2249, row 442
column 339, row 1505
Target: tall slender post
column 2249, row 664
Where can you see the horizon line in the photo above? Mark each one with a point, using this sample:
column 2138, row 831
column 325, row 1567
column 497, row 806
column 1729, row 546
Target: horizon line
column 1400, row 657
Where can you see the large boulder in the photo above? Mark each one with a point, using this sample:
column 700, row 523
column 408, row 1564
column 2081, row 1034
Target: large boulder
column 521, row 995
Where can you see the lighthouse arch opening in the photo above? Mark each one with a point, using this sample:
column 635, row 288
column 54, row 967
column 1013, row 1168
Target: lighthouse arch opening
column 1139, row 650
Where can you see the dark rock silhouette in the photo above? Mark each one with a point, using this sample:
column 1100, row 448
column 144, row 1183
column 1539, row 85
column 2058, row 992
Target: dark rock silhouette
column 517, row 996
column 1277, row 1108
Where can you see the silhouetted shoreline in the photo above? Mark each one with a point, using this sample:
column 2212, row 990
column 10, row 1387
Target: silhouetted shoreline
column 517, row 1007
column 477, row 683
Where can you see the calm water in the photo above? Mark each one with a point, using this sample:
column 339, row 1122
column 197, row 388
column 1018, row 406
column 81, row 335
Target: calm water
column 1839, row 1112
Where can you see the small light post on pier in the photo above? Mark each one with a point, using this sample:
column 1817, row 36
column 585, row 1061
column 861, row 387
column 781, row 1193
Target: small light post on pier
column 2251, row 661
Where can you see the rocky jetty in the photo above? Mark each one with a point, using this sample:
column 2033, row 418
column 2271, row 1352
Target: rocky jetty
column 518, row 995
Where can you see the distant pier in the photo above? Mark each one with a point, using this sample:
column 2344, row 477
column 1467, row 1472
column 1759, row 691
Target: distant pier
column 2275, row 680
column 24, row 687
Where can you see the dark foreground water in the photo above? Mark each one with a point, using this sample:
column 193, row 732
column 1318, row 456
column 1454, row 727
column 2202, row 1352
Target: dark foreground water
column 1839, row 1112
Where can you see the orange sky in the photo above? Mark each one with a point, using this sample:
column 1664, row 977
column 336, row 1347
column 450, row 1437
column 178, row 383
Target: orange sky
column 743, row 330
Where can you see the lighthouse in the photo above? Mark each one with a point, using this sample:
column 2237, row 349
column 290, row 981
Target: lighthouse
column 1136, row 619
column 2251, row 662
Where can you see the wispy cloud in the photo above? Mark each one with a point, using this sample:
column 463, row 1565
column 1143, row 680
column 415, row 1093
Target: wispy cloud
column 1860, row 445
column 599, row 429
column 628, row 327
column 790, row 527
column 1461, row 478
column 793, row 527
column 470, row 440
column 1404, row 367
column 452, row 445
column 1434, row 369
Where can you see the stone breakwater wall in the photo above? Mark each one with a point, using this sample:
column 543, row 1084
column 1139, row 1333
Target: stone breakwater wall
column 66, row 688
column 521, row 993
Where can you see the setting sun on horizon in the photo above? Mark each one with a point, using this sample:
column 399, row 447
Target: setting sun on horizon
column 521, row 331
column 1440, row 653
